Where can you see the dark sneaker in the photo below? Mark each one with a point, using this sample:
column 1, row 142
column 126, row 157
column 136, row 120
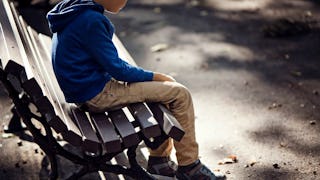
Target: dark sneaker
column 162, row 166
column 199, row 172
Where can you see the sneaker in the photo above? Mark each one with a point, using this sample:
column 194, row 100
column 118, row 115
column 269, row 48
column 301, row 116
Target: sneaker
column 162, row 166
column 199, row 172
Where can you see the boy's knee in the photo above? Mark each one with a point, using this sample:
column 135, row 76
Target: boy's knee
column 182, row 91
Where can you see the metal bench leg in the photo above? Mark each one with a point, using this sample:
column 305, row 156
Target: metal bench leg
column 15, row 123
column 138, row 171
column 54, row 166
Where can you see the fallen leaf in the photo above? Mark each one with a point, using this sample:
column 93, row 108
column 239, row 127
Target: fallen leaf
column 252, row 163
column 275, row 105
column 233, row 157
column 283, row 144
column 308, row 13
column 312, row 122
column 159, row 47
column 229, row 160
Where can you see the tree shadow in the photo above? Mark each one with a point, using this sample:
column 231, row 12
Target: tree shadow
column 272, row 173
column 286, row 139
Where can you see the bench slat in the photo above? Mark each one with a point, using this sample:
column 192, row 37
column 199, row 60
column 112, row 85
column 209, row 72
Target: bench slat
column 91, row 142
column 32, row 88
column 167, row 121
column 107, row 132
column 47, row 110
column 16, row 70
column 148, row 124
column 3, row 47
column 11, row 47
column 124, row 127
column 16, row 75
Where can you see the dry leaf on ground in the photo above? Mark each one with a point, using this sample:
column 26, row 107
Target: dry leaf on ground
column 159, row 47
column 229, row 160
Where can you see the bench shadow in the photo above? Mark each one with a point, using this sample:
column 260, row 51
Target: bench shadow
column 24, row 136
column 66, row 167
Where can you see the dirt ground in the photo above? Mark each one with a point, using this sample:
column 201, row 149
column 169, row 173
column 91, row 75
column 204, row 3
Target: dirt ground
column 252, row 67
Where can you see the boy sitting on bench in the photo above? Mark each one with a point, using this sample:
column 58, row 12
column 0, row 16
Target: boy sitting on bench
column 91, row 74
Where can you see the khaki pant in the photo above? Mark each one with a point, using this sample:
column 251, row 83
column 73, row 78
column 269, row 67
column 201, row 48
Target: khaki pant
column 172, row 94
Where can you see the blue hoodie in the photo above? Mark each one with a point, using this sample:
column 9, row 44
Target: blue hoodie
column 84, row 57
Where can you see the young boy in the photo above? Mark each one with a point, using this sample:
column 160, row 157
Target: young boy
column 89, row 71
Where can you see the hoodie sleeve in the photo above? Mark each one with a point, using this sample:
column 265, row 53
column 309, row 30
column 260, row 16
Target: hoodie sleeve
column 100, row 46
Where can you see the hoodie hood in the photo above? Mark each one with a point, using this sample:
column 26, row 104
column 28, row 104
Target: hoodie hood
column 64, row 12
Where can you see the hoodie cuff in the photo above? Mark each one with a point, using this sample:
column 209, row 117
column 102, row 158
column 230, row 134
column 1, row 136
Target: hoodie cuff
column 149, row 75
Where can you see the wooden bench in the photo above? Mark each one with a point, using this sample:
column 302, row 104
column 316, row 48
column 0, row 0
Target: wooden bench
column 30, row 83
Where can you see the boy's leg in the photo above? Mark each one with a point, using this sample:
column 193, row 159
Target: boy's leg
column 172, row 94
column 164, row 150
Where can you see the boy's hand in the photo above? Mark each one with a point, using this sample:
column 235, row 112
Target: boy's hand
column 162, row 77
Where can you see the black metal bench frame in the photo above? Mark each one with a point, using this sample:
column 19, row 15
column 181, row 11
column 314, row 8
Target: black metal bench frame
column 33, row 104
column 48, row 143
